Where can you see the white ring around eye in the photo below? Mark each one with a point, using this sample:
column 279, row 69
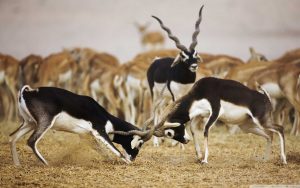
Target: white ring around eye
column 184, row 56
column 169, row 133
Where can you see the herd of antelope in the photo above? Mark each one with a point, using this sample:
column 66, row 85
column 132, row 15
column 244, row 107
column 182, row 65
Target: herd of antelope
column 158, row 93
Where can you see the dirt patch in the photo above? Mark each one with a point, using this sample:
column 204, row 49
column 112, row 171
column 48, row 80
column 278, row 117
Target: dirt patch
column 234, row 161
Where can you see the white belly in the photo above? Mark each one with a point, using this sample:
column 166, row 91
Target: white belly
column 179, row 89
column 233, row 114
column 273, row 90
column 229, row 113
column 65, row 122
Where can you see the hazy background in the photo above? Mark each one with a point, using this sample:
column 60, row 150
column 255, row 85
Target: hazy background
column 228, row 26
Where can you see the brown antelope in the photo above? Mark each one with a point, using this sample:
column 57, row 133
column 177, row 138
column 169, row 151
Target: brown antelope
column 99, row 84
column 9, row 76
column 243, row 72
column 57, row 70
column 86, row 57
column 220, row 65
column 150, row 39
column 88, row 61
column 29, row 67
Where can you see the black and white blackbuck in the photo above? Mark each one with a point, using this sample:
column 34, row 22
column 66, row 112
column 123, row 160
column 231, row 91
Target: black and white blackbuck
column 177, row 74
column 228, row 101
column 47, row 108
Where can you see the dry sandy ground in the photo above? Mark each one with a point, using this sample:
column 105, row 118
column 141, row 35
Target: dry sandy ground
column 233, row 162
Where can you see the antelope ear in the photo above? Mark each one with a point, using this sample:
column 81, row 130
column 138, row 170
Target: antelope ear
column 170, row 125
column 176, row 60
column 135, row 143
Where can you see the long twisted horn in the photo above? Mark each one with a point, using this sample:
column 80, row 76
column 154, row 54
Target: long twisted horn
column 133, row 132
column 167, row 112
column 142, row 133
column 151, row 119
column 170, row 35
column 197, row 30
column 155, row 130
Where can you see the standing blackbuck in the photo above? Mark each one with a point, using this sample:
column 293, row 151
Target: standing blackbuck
column 177, row 74
column 228, row 101
column 48, row 107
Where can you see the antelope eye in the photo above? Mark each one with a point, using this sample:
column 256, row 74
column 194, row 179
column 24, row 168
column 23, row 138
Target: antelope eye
column 183, row 58
column 169, row 133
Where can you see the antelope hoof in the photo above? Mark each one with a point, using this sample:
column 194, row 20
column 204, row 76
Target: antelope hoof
column 17, row 164
column 204, row 162
column 283, row 160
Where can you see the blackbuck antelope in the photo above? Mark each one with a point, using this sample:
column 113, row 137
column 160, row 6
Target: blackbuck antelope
column 48, row 107
column 228, row 101
column 175, row 72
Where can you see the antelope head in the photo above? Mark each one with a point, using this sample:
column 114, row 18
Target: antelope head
column 189, row 57
column 173, row 130
column 256, row 57
column 142, row 27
